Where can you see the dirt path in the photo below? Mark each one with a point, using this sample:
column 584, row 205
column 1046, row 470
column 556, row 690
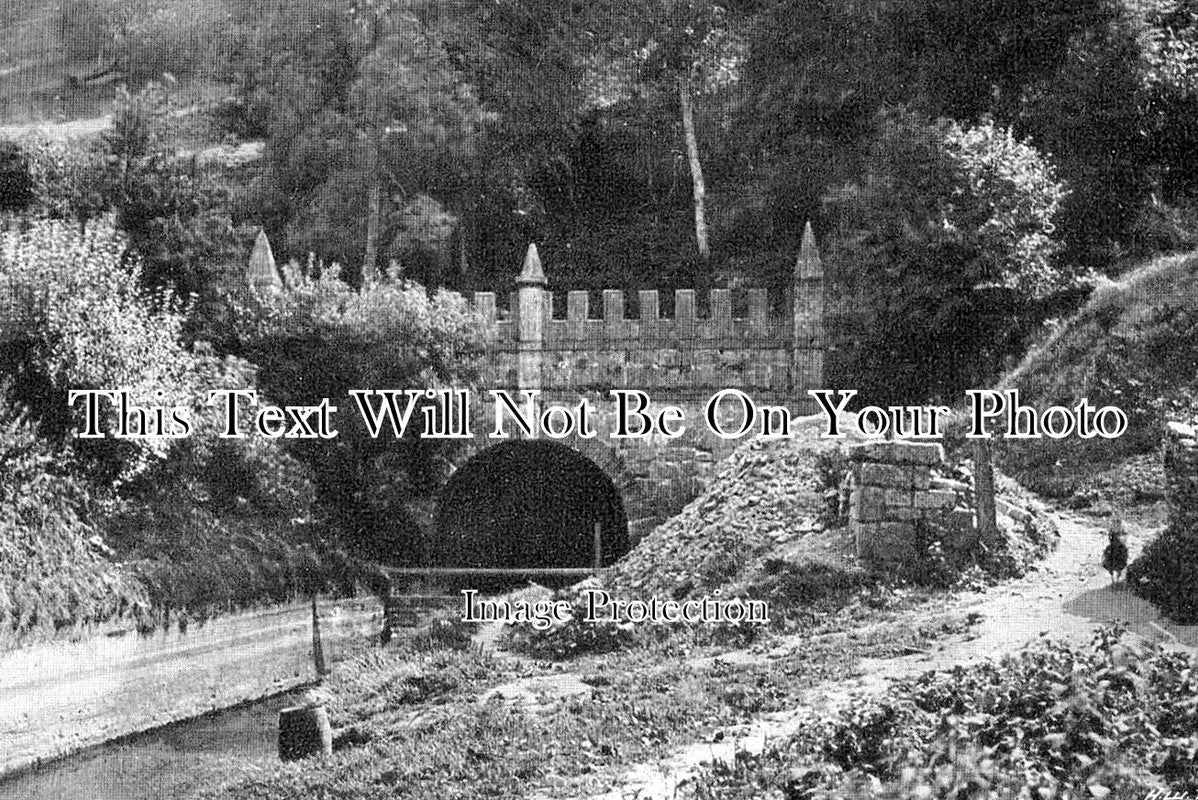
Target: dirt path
column 1067, row 599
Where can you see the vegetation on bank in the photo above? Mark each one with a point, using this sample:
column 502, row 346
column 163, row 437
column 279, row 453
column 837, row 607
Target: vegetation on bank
column 410, row 722
column 143, row 527
column 1132, row 345
column 1116, row 719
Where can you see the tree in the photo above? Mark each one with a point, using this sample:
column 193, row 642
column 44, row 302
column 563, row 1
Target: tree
column 685, row 47
column 371, row 95
column 318, row 338
column 950, row 230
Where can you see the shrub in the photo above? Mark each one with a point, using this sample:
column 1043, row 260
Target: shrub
column 1114, row 720
column 575, row 637
column 174, row 211
column 318, row 338
column 1165, row 574
column 54, row 568
column 951, row 227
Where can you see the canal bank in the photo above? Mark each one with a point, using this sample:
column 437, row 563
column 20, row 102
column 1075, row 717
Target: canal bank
column 170, row 763
column 60, row 697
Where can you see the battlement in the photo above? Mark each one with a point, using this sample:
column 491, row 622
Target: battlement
column 580, row 325
column 684, row 355
column 680, row 356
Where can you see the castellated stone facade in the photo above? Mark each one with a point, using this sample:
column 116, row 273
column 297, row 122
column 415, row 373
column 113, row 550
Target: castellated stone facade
column 682, row 359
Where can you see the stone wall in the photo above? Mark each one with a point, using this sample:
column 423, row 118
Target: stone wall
column 682, row 356
column 1181, row 476
column 893, row 488
column 57, row 697
column 682, row 359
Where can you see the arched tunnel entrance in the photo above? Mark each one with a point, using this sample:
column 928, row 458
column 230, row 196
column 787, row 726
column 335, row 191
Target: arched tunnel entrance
column 531, row 503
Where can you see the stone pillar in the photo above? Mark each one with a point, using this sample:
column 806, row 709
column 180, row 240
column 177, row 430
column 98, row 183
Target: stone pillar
column 261, row 273
column 1181, row 478
column 530, row 312
column 891, row 493
column 807, row 291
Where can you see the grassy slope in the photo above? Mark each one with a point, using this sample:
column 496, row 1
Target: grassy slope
column 1115, row 350
column 35, row 61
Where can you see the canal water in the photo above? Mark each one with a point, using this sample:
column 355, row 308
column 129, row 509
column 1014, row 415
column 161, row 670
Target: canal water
column 171, row 763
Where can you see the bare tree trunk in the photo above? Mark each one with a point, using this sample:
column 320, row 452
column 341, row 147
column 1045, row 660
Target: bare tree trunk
column 692, row 154
column 371, row 257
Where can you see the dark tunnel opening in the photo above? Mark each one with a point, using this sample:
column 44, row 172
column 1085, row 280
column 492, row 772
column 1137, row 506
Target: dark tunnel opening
column 529, row 504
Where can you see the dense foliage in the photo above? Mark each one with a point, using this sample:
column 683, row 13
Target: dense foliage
column 1113, row 720
column 195, row 523
column 54, row 570
column 1131, row 345
column 951, row 233
column 318, row 338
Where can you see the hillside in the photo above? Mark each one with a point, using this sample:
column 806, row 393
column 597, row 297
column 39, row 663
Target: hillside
column 61, row 60
column 1133, row 345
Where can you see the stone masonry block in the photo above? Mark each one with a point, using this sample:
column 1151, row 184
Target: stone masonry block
column 886, row 543
column 897, row 497
column 895, row 475
column 1014, row 512
column 897, row 453
column 949, row 484
column 935, row 499
column 868, row 511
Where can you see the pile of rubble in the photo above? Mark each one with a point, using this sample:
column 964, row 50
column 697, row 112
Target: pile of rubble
column 767, row 498
column 770, row 502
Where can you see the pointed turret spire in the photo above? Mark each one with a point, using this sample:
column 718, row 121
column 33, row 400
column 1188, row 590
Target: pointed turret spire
column 262, row 271
column 809, row 264
column 531, row 274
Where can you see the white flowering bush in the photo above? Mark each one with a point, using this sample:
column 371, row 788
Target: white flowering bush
column 76, row 301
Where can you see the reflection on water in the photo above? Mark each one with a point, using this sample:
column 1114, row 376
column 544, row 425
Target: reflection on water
column 175, row 762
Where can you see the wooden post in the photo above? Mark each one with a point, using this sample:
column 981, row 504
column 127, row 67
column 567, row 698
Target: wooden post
column 317, row 646
column 983, row 484
column 598, row 545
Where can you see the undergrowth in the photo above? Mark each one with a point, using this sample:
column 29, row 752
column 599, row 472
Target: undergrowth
column 1112, row 720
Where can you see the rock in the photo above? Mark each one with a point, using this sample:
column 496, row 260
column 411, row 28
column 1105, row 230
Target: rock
column 750, row 747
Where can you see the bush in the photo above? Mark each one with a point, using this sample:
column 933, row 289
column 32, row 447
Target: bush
column 318, row 338
column 575, row 637
column 951, row 227
column 205, row 523
column 1166, row 574
column 54, row 568
column 1114, row 720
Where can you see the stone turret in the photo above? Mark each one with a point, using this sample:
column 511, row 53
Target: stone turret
column 262, row 273
column 808, row 309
